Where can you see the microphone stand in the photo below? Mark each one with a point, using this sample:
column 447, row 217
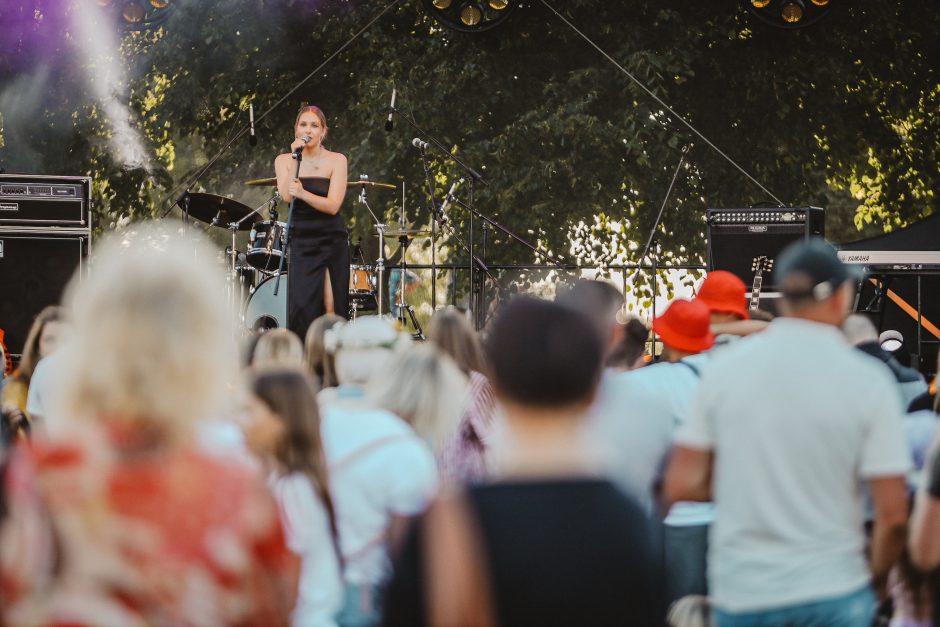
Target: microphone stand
column 439, row 218
column 475, row 177
column 652, row 238
column 488, row 220
column 298, row 155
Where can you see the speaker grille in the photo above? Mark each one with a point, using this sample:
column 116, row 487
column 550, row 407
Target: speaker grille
column 34, row 270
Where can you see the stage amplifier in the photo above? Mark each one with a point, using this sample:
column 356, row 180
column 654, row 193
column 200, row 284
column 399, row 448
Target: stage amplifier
column 35, row 267
column 45, row 201
column 739, row 238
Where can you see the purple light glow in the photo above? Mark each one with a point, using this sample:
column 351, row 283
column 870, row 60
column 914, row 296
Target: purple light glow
column 35, row 32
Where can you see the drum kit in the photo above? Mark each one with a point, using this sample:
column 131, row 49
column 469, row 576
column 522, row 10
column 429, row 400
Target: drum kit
column 252, row 272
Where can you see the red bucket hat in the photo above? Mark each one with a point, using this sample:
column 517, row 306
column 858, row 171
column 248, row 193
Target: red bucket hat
column 685, row 326
column 723, row 292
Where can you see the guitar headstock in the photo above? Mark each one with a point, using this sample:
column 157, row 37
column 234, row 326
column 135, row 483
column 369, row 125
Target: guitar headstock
column 762, row 264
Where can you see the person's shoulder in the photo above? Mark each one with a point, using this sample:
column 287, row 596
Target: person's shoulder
column 337, row 157
column 284, row 157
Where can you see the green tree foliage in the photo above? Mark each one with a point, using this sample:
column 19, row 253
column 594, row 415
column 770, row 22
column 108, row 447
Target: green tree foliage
column 576, row 156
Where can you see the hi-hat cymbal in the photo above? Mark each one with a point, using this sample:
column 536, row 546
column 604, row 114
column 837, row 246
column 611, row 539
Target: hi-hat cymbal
column 217, row 210
column 259, row 182
column 362, row 183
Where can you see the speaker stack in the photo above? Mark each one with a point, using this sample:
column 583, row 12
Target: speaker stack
column 45, row 235
column 737, row 237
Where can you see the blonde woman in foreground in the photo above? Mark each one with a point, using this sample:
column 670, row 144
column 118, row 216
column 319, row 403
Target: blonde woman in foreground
column 124, row 520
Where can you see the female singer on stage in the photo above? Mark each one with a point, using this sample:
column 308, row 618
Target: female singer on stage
column 318, row 276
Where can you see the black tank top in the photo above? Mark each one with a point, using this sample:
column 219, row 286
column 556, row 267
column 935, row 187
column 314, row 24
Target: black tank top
column 308, row 216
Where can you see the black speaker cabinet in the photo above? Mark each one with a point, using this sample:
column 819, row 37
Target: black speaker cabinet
column 35, row 267
column 737, row 237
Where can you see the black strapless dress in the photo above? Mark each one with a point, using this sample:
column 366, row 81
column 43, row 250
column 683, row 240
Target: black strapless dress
column 318, row 242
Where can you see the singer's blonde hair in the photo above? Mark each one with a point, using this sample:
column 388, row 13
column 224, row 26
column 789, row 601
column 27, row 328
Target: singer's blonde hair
column 304, row 108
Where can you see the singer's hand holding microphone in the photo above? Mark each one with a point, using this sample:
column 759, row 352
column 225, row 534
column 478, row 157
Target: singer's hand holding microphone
column 299, row 143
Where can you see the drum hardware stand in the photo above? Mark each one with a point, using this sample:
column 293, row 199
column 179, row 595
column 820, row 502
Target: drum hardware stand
column 404, row 307
column 233, row 228
column 475, row 178
column 380, row 227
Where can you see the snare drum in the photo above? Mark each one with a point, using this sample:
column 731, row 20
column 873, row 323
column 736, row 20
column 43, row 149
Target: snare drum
column 362, row 288
column 266, row 244
column 361, row 281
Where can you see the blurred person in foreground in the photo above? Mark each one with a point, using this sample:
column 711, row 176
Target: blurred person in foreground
column 119, row 518
column 318, row 361
column 548, row 542
column 425, row 388
column 924, row 541
column 862, row 334
column 283, row 428
column 725, row 296
column 278, row 348
column 629, row 446
column 382, row 473
column 47, row 333
column 464, row 457
column 784, row 432
column 658, row 396
column 630, row 353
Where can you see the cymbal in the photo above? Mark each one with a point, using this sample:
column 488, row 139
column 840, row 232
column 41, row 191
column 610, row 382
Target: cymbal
column 407, row 232
column 362, row 183
column 217, row 210
column 258, row 182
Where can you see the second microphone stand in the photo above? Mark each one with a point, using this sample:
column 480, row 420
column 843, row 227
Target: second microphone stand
column 475, row 304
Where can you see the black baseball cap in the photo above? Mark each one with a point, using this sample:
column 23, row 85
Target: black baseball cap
column 811, row 269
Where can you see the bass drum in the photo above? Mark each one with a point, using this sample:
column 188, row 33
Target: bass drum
column 265, row 310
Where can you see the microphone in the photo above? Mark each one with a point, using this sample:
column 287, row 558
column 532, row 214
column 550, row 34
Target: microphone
column 447, row 198
column 252, row 138
column 420, row 145
column 306, row 140
column 389, row 124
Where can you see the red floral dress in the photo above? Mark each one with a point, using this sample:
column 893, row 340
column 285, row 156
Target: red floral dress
column 113, row 529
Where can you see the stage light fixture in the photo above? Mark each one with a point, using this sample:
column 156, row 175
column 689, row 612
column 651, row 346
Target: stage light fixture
column 470, row 16
column 789, row 14
column 133, row 13
column 792, row 12
column 138, row 14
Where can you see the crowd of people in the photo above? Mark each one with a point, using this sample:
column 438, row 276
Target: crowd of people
column 160, row 469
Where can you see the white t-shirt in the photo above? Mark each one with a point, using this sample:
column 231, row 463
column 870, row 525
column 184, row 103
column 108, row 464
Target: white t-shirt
column 632, row 422
column 378, row 468
column 307, row 530
column 797, row 420
column 44, row 386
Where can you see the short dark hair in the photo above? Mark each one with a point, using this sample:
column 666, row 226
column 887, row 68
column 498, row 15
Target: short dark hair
column 598, row 300
column 631, row 347
column 543, row 354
